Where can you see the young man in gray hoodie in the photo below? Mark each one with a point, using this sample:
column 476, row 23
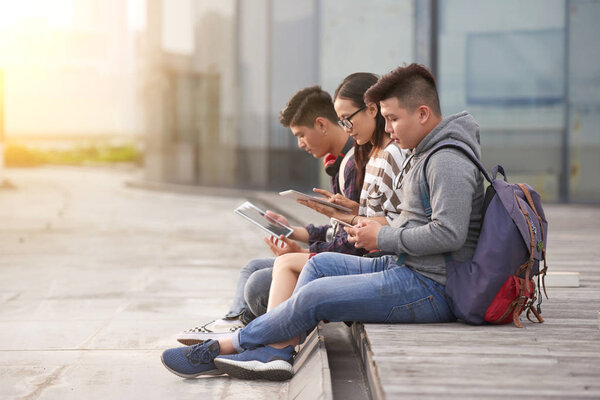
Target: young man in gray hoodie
column 405, row 287
column 455, row 184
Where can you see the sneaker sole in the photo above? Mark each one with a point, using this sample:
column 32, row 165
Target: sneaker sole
column 189, row 342
column 190, row 376
column 194, row 338
column 277, row 370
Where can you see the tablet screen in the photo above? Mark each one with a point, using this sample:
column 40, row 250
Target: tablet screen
column 257, row 217
column 293, row 194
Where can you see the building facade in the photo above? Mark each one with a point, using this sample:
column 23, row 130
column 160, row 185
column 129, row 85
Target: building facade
column 219, row 72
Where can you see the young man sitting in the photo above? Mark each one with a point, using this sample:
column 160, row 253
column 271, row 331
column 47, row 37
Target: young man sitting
column 407, row 287
column 312, row 119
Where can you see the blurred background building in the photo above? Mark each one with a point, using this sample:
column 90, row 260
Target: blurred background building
column 201, row 82
column 70, row 68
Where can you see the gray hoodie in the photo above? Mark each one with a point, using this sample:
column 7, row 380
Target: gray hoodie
column 456, row 192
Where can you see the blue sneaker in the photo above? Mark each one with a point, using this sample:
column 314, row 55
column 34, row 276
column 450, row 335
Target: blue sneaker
column 262, row 363
column 192, row 361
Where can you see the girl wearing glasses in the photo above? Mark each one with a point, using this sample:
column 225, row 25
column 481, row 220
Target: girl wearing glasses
column 378, row 199
column 366, row 125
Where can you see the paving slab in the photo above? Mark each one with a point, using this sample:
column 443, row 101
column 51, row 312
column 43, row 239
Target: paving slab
column 97, row 278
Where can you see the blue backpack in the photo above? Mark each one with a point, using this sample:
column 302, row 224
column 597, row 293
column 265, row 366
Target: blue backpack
column 497, row 285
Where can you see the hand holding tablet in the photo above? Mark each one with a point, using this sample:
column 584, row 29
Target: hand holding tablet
column 259, row 218
column 293, row 194
column 340, row 200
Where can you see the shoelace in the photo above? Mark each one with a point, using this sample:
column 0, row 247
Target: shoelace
column 199, row 353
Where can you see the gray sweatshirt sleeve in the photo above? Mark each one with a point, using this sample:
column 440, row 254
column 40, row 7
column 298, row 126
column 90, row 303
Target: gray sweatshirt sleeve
column 453, row 181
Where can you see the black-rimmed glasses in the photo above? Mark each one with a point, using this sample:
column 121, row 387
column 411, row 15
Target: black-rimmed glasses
column 346, row 123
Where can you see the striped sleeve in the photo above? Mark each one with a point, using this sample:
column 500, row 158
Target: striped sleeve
column 378, row 197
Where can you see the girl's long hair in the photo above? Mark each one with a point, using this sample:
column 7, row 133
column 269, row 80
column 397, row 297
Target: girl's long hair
column 353, row 88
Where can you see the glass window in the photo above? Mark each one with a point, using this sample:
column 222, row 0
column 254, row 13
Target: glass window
column 364, row 37
column 503, row 61
column 493, row 76
column 584, row 101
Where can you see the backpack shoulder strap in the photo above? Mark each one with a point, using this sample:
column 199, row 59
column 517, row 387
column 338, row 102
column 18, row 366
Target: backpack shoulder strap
column 447, row 143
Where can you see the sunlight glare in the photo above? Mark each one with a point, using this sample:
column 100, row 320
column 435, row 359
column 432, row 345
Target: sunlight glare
column 55, row 13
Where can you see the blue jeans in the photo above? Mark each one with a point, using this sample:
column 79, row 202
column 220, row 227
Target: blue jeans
column 340, row 287
column 252, row 289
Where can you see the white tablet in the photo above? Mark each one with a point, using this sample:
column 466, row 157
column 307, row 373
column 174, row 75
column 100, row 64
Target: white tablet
column 257, row 217
column 292, row 194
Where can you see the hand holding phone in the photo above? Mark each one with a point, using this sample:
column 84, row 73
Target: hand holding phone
column 340, row 222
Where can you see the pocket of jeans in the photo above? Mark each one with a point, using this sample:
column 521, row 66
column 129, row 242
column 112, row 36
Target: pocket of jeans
column 420, row 311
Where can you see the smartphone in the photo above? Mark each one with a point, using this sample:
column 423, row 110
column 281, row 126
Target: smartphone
column 342, row 223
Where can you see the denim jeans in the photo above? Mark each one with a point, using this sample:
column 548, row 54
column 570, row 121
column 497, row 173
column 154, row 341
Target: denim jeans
column 256, row 293
column 252, row 289
column 339, row 287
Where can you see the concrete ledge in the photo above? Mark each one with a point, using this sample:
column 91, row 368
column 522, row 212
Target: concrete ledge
column 312, row 378
column 363, row 348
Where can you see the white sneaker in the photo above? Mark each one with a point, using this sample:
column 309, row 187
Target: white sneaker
column 217, row 329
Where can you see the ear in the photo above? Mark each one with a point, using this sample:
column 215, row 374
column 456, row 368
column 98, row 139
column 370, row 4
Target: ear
column 321, row 124
column 424, row 114
column 372, row 110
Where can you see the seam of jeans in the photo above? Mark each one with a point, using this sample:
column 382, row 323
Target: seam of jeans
column 410, row 306
column 391, row 260
column 418, row 278
column 441, row 290
column 436, row 286
column 236, row 341
column 435, row 309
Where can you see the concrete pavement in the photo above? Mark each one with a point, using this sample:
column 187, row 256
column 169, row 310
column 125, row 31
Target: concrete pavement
column 97, row 278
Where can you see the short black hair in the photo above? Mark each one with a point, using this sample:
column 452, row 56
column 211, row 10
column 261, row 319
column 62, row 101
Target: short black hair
column 412, row 85
column 306, row 105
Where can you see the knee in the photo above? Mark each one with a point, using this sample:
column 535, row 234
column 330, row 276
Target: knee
column 317, row 267
column 257, row 264
column 258, row 284
column 284, row 263
column 323, row 258
column 310, row 300
column 312, row 266
column 256, row 291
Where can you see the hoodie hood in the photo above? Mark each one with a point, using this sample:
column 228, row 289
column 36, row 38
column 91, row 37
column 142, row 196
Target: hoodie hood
column 461, row 127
